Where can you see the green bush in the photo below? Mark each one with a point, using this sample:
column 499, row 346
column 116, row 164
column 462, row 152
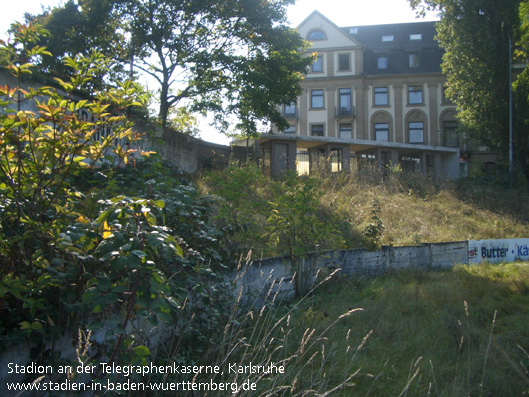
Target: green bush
column 82, row 249
column 273, row 216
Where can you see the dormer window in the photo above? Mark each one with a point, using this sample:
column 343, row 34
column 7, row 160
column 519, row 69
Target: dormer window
column 316, row 35
column 415, row 37
column 388, row 37
column 414, row 60
column 382, row 62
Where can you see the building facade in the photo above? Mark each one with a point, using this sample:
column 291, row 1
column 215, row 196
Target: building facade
column 373, row 96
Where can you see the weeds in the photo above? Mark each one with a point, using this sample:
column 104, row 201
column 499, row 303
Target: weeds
column 414, row 208
column 373, row 232
column 457, row 332
column 408, row 333
column 301, row 361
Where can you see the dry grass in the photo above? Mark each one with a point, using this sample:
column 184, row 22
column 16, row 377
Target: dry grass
column 264, row 334
column 443, row 333
column 413, row 208
column 450, row 333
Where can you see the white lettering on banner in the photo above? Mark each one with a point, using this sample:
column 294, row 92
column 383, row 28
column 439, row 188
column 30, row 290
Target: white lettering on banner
column 495, row 251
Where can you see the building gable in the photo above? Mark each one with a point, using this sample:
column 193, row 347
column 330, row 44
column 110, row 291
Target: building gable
column 333, row 36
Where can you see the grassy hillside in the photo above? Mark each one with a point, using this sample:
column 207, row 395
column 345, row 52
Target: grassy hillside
column 450, row 333
column 362, row 211
column 441, row 333
column 416, row 209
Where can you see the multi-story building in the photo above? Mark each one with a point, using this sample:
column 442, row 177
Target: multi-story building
column 373, row 95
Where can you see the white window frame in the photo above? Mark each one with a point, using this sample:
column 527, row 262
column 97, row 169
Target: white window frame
column 346, row 130
column 414, row 60
column 290, row 130
column 412, row 93
column 382, row 132
column 416, row 128
column 316, row 31
column 317, row 65
column 344, row 54
column 345, row 99
column 382, row 62
column 290, row 110
column 314, row 96
column 379, row 95
column 314, row 126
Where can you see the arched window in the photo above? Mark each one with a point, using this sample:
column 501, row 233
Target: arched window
column 449, row 126
column 416, row 127
column 382, row 127
column 316, row 35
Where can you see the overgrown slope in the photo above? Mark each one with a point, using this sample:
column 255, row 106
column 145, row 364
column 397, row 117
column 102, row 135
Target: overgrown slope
column 446, row 333
column 363, row 210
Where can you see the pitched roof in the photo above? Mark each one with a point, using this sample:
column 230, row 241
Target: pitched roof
column 398, row 46
column 397, row 51
column 322, row 19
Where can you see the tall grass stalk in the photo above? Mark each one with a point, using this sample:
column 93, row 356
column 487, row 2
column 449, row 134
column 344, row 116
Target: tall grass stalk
column 439, row 321
column 487, row 353
column 262, row 331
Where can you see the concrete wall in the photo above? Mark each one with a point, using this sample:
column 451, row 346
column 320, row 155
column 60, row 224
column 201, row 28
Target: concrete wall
column 212, row 155
column 181, row 149
column 275, row 277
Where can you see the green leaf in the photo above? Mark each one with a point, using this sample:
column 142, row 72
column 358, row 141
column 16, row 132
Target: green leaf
column 90, row 295
column 139, row 253
column 103, row 284
column 133, row 261
column 25, row 325
column 142, row 351
column 119, row 289
column 158, row 204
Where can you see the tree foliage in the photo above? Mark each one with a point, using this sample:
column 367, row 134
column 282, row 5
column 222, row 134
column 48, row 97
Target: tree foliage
column 475, row 35
column 235, row 58
column 81, row 248
column 45, row 140
column 81, row 27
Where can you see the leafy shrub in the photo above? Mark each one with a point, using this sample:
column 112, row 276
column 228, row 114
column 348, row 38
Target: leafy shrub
column 83, row 248
column 294, row 222
column 241, row 194
column 273, row 216
column 40, row 150
column 373, row 232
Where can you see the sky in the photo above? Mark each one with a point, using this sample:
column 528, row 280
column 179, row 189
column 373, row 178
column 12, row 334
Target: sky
column 341, row 12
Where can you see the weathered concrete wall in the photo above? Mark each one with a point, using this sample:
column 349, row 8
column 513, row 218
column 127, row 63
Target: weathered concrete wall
column 181, row 149
column 267, row 277
column 212, row 155
column 261, row 279
column 445, row 255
